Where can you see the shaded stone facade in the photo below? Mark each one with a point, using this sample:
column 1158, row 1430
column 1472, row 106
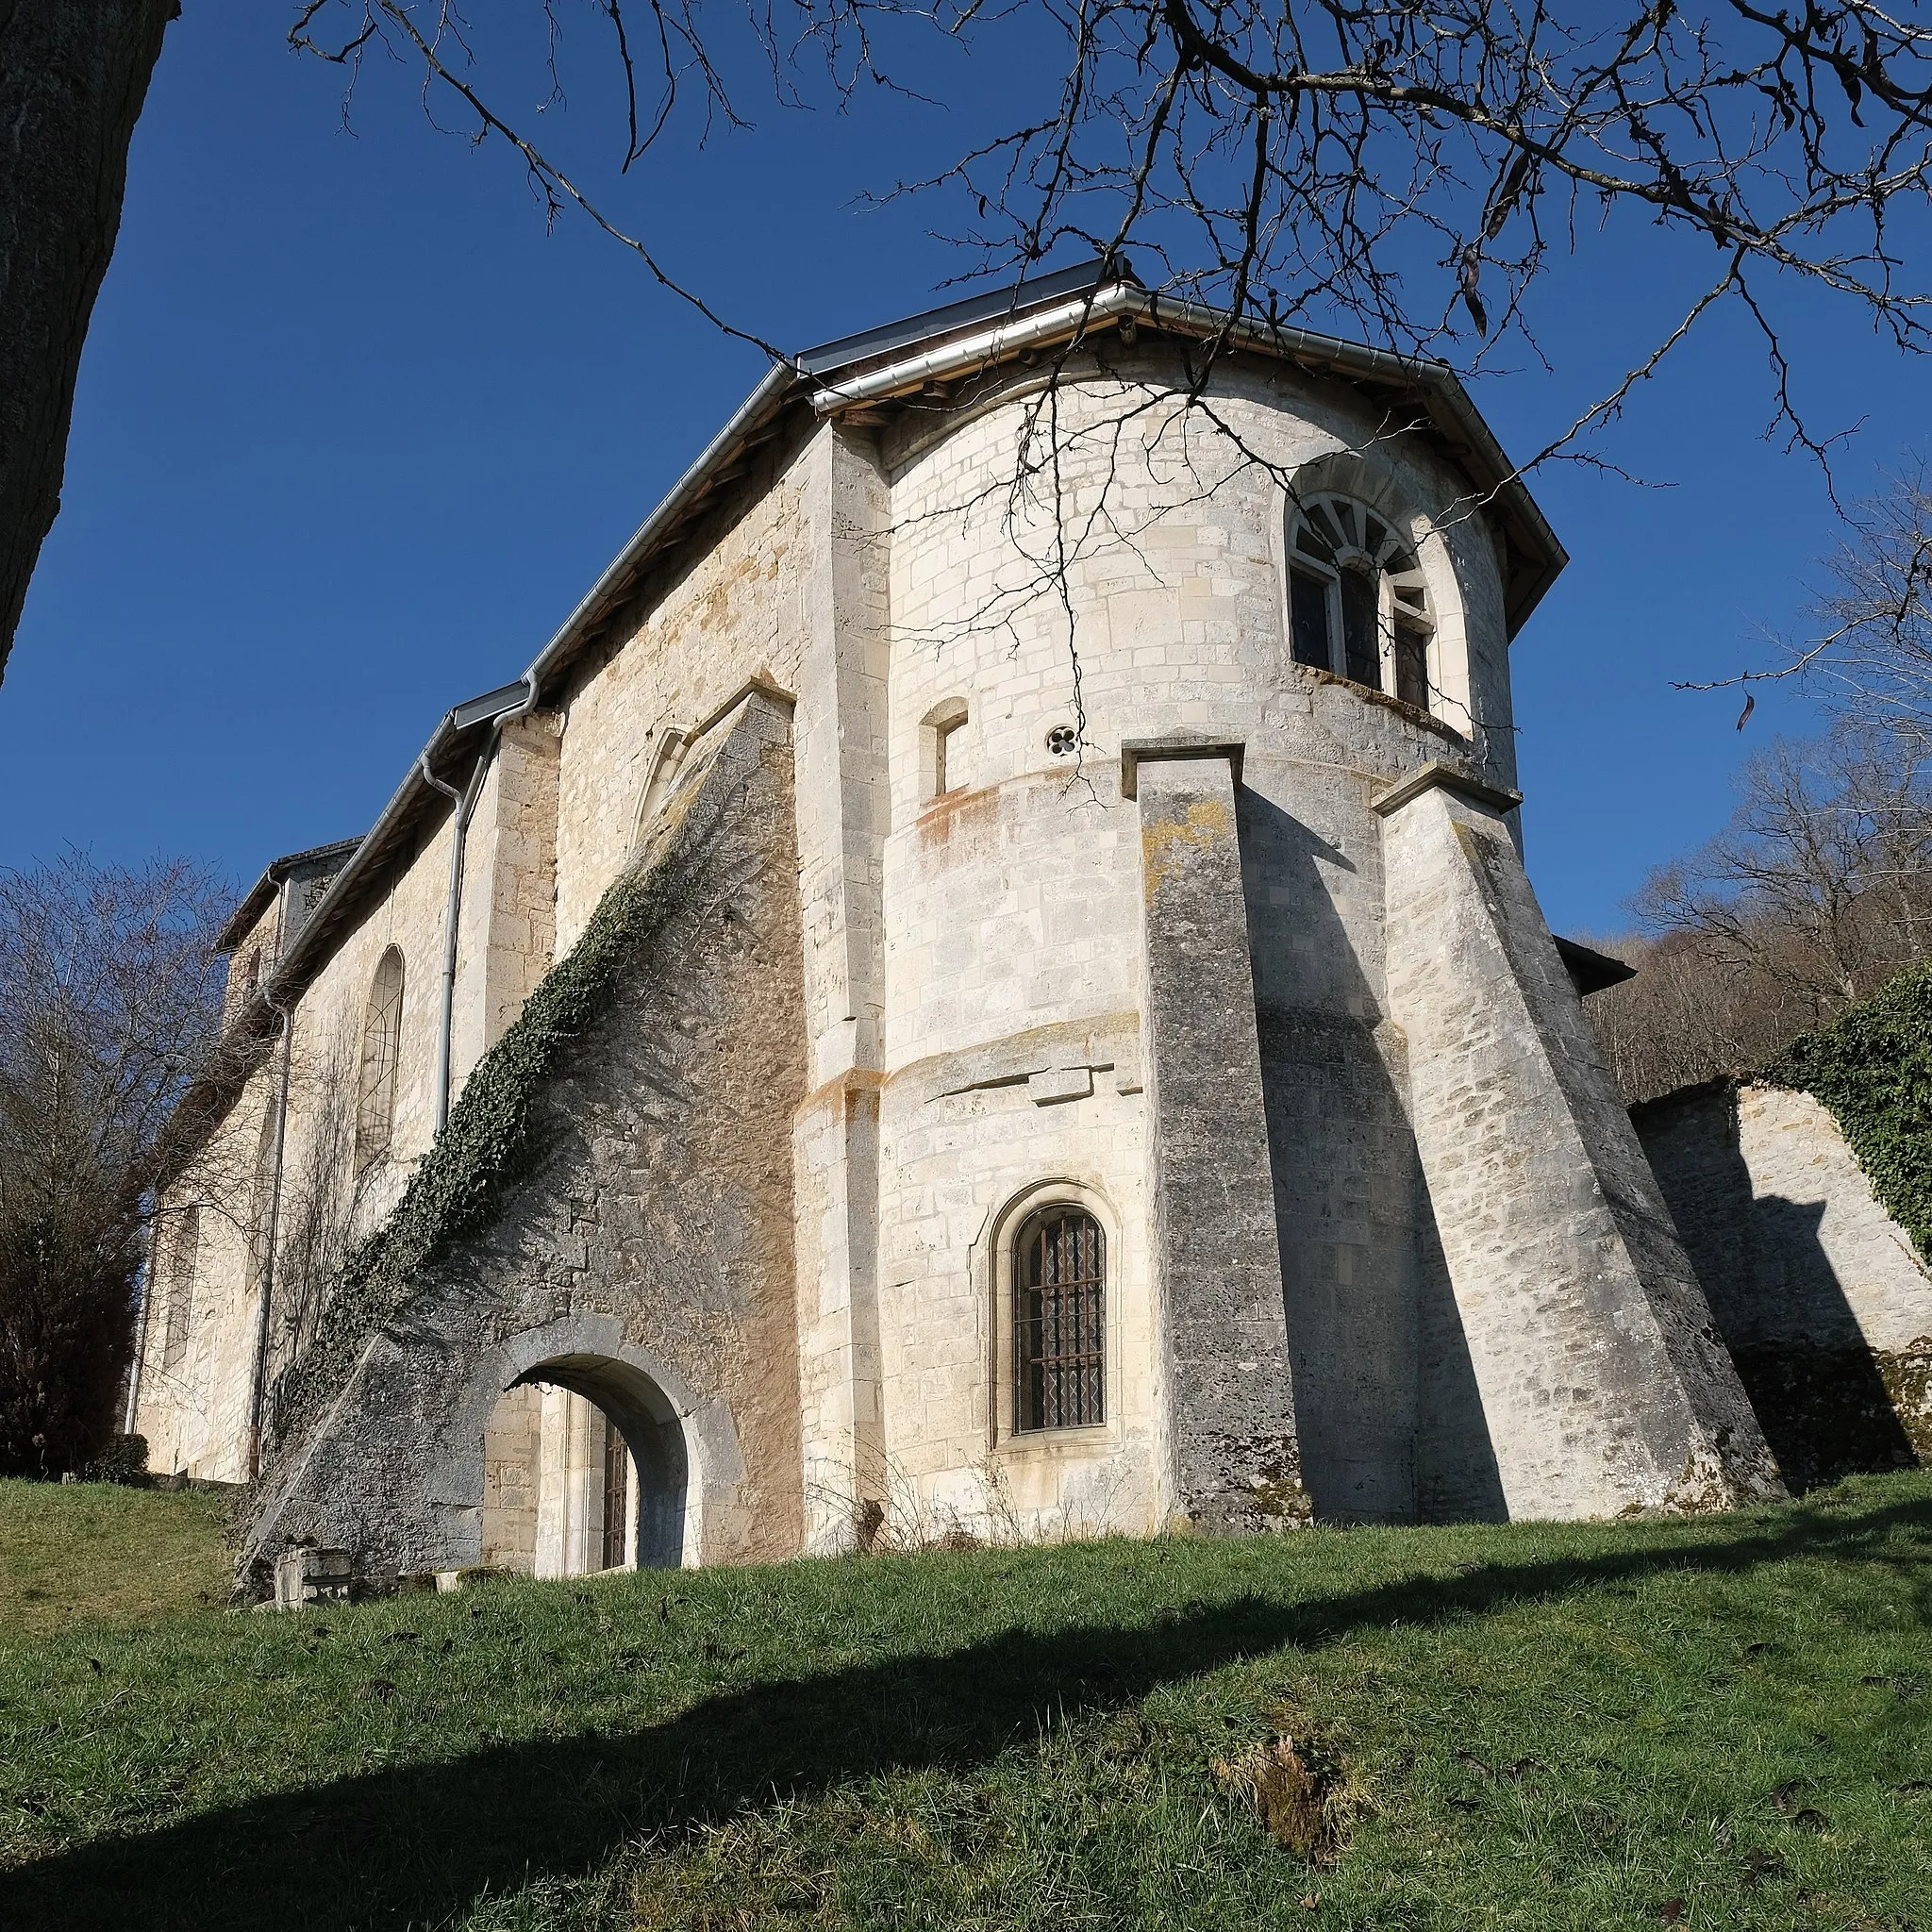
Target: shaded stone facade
column 1820, row 1296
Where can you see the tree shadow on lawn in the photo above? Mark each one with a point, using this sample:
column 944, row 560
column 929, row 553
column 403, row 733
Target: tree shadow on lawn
column 417, row 1844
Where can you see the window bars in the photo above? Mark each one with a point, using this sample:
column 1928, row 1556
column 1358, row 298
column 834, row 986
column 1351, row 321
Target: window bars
column 1060, row 1321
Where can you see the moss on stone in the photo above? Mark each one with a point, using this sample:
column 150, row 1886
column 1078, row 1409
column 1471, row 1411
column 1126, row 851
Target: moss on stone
column 1908, row 1377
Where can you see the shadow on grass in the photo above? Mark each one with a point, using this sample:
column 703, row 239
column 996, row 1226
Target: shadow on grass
column 416, row 1844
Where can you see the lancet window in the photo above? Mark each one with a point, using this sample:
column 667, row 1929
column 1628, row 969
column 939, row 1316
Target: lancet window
column 181, row 1250
column 382, row 1042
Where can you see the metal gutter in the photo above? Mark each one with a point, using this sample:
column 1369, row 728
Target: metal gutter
column 770, row 391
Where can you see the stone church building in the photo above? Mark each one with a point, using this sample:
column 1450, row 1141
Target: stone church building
column 933, row 1007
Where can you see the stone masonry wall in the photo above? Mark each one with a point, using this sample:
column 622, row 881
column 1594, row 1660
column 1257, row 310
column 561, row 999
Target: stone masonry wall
column 194, row 1412
column 1603, row 1383
column 1012, row 915
column 1823, row 1302
column 506, row 930
column 733, row 613
column 644, row 1236
column 1224, row 1361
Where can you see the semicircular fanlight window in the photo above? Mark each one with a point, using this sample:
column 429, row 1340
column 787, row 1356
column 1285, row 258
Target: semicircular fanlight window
column 1359, row 605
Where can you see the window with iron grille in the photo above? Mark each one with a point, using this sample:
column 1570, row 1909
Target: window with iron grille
column 1060, row 1284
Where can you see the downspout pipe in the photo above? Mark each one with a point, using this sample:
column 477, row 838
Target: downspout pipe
column 259, row 1388
column 149, row 1265
column 465, row 804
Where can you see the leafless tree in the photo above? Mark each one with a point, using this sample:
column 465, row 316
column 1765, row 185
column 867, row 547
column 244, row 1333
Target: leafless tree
column 1820, row 879
column 1407, row 173
column 1818, row 891
column 72, row 76
column 325, row 1197
column 110, row 1007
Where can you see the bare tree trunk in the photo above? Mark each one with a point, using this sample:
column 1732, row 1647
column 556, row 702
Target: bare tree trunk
column 72, row 76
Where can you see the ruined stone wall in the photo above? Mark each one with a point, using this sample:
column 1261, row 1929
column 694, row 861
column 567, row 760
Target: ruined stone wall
column 1818, row 1294
column 638, row 1244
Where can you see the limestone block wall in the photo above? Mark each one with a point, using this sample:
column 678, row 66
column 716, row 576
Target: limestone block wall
column 1230, row 1417
column 253, row 957
column 838, row 564
column 1602, row 1381
column 1820, row 1295
column 507, row 933
column 1179, row 608
column 512, row 1481
column 195, row 1410
column 1012, row 903
column 971, row 1144
column 734, row 613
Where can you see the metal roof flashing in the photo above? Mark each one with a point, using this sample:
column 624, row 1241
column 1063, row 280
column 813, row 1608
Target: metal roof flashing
column 930, row 326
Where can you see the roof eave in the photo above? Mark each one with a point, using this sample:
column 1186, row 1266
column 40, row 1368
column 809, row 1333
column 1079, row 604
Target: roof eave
column 1456, row 420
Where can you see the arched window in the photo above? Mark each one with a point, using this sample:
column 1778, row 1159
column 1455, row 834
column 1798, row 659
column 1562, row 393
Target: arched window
column 666, row 761
column 1357, row 602
column 382, row 1041
column 181, row 1255
column 1060, row 1321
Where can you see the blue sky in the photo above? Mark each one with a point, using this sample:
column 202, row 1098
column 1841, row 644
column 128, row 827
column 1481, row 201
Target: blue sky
column 354, row 433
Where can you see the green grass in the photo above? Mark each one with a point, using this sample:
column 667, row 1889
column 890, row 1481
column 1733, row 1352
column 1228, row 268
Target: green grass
column 98, row 1552
column 1540, row 1727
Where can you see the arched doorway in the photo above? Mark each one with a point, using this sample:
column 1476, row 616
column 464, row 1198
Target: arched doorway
column 585, row 1469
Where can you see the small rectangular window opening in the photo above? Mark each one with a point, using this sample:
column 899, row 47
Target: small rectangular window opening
column 948, row 773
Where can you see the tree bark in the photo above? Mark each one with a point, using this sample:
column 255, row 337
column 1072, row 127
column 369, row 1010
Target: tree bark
column 72, row 76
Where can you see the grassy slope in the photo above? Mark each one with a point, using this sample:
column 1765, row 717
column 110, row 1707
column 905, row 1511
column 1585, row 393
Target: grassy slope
column 91, row 1550
column 1555, row 1727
